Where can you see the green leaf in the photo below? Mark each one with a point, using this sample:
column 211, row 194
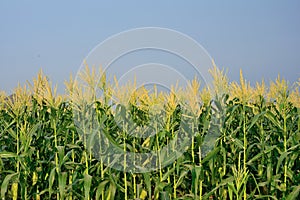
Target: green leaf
column 10, row 130
column 167, row 174
column 51, row 180
column 254, row 120
column 181, row 177
column 112, row 190
column 280, row 160
column 159, row 187
column 62, row 180
column 273, row 119
column 164, row 195
column 294, row 194
column 232, row 188
column 147, row 180
column 100, row 188
column 195, row 178
column 257, row 156
column 211, row 154
column 5, row 183
column 87, row 185
column 8, row 155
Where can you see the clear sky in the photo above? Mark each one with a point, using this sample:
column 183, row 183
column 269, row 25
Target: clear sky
column 261, row 37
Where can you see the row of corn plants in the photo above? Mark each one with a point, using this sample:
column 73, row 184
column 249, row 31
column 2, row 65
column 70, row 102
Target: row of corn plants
column 243, row 141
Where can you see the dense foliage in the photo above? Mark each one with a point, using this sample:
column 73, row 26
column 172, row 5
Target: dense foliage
column 255, row 156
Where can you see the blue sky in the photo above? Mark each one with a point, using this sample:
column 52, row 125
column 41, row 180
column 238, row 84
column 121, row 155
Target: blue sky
column 261, row 37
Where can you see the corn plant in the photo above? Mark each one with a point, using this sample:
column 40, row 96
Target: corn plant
column 245, row 141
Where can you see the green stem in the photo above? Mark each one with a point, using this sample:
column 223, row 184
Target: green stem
column 285, row 146
column 125, row 166
column 201, row 181
column 101, row 165
column 193, row 145
column 245, row 146
column 134, row 186
column 158, row 154
column 175, row 184
column 134, row 175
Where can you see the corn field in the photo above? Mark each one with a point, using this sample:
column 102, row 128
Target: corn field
column 256, row 154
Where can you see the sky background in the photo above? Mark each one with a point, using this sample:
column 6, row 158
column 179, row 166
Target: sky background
column 260, row 37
